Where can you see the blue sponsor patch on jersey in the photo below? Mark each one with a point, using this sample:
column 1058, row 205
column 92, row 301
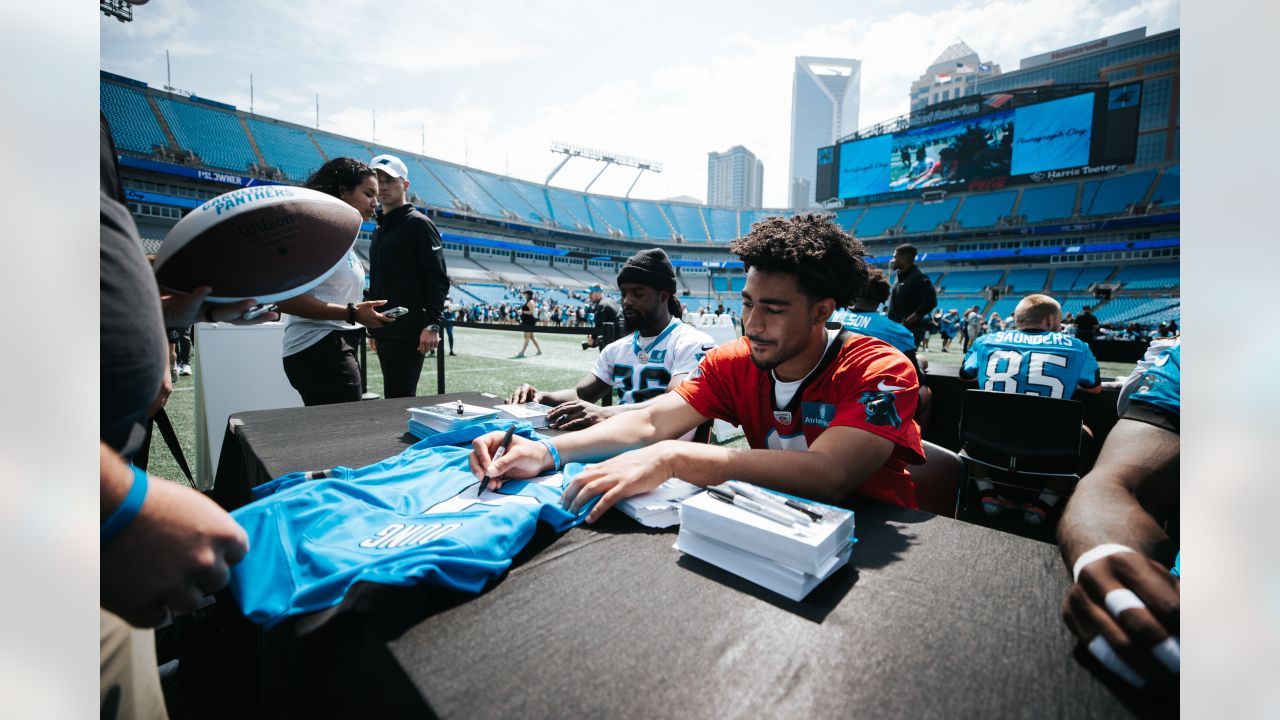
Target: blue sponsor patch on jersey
column 817, row 413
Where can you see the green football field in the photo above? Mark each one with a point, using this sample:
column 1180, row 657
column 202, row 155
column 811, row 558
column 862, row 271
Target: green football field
column 486, row 363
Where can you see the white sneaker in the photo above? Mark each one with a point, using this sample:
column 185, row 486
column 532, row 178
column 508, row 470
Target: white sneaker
column 184, row 369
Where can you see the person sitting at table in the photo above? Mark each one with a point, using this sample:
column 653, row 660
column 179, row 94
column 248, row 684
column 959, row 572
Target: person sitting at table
column 865, row 318
column 826, row 412
column 1036, row 358
column 1119, row 534
column 657, row 355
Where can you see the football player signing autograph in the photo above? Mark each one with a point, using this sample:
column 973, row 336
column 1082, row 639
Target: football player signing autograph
column 826, row 412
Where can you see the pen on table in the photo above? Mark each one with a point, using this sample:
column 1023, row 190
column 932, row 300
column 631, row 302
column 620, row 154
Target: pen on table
column 769, row 498
column 751, row 506
column 502, row 449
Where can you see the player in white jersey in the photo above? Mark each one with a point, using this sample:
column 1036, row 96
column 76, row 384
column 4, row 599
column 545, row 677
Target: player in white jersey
column 656, row 354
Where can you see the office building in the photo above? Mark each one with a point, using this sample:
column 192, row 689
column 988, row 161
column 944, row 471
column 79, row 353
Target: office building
column 735, row 178
column 1115, row 60
column 953, row 75
column 824, row 107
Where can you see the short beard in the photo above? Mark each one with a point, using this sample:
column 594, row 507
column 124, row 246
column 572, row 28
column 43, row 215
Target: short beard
column 641, row 322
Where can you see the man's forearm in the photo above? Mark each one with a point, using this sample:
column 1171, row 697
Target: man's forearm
column 1109, row 513
column 798, row 472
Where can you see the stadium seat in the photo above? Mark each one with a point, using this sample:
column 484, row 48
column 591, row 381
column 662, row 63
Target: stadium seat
column 133, row 125
column 985, row 210
column 287, row 148
column 1113, row 195
column 880, row 218
column 1168, row 190
column 1052, row 202
column 995, row 432
column 938, row 480
column 215, row 135
column 925, row 217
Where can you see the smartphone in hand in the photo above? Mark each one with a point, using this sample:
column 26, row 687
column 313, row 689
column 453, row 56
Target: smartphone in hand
column 396, row 312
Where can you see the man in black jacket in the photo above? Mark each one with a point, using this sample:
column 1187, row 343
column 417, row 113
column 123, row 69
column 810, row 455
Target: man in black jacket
column 606, row 310
column 913, row 296
column 406, row 258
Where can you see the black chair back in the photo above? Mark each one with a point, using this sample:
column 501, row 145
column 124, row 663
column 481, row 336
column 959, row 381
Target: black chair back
column 1026, row 432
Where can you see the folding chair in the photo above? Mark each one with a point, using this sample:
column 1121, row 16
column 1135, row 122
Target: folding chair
column 1024, row 439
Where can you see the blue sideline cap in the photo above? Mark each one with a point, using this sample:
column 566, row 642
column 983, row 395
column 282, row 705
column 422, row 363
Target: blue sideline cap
column 594, row 288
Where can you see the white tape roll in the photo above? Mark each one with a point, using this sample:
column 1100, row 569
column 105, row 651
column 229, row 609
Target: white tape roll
column 1122, row 599
column 1097, row 553
column 1169, row 653
column 1101, row 649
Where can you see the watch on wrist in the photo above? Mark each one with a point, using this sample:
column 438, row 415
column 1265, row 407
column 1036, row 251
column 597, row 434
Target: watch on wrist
column 434, row 328
column 351, row 313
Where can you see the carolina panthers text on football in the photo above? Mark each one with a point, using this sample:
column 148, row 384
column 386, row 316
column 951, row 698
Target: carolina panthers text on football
column 399, row 535
column 236, row 198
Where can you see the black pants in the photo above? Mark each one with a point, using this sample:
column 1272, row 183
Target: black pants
column 327, row 372
column 401, row 367
column 448, row 330
column 182, row 338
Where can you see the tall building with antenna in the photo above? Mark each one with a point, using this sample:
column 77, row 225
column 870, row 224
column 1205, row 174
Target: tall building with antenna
column 824, row 107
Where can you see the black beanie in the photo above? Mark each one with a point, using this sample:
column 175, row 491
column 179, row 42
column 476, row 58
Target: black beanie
column 649, row 267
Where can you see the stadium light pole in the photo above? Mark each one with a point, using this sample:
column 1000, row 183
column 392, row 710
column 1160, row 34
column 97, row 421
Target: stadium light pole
column 608, row 158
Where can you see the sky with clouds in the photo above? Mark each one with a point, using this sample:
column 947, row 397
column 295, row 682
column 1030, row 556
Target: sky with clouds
column 493, row 84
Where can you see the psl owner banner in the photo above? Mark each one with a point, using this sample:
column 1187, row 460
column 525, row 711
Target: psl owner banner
column 864, row 166
column 1053, row 135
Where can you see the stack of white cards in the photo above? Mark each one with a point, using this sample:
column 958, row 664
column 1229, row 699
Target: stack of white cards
column 534, row 413
column 659, row 508
column 780, row 543
column 432, row 419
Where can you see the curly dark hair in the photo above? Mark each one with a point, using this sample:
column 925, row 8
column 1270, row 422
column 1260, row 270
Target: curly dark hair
column 827, row 261
column 877, row 288
column 340, row 172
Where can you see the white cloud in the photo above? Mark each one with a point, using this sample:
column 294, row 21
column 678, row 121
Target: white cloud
column 495, row 83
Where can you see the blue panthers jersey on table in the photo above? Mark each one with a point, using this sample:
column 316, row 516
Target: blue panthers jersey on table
column 412, row 518
column 1161, row 384
column 875, row 325
column 640, row 368
column 1031, row 362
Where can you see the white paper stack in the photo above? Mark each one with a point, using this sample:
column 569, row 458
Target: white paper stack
column 535, row 413
column 659, row 508
column 790, row 559
column 446, row 416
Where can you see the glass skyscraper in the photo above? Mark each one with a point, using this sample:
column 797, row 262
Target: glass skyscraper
column 824, row 107
column 735, row 178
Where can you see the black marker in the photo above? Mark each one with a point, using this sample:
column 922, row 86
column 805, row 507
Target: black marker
column 502, row 449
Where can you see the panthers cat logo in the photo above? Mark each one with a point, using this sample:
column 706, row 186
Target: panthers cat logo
column 881, row 409
column 1148, row 382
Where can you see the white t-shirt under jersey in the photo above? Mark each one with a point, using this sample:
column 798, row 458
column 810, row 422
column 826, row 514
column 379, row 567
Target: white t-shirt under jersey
column 677, row 351
column 345, row 284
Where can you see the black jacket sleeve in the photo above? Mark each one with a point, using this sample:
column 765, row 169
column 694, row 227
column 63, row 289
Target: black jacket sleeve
column 428, row 249
column 927, row 294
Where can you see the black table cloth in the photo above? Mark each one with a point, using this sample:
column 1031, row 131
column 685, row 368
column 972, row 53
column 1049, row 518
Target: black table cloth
column 932, row 618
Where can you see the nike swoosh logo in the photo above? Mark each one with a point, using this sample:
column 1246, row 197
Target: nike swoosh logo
column 436, row 247
column 882, row 387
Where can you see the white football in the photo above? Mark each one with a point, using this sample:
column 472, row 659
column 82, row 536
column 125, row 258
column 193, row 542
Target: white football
column 267, row 242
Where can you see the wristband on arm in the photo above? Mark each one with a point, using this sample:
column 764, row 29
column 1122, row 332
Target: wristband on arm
column 555, row 454
column 128, row 508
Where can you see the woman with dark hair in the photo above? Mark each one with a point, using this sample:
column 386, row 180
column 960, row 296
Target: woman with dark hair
column 528, row 321
column 323, row 329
